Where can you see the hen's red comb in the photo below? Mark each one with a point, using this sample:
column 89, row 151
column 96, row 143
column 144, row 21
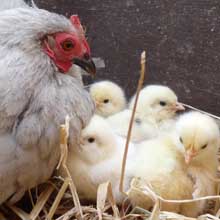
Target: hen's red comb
column 75, row 21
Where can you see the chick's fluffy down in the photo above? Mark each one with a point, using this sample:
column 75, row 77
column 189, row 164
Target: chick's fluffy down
column 109, row 98
column 98, row 160
column 141, row 129
column 159, row 165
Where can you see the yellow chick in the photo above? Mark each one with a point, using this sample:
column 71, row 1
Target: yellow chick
column 98, row 159
column 141, row 129
column 159, row 103
column 109, row 98
column 200, row 137
column 157, row 106
column 159, row 163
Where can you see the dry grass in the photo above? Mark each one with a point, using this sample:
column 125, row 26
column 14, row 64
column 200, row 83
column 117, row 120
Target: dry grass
column 56, row 203
column 58, row 199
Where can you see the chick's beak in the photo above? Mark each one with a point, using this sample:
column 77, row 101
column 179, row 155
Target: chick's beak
column 189, row 155
column 80, row 144
column 179, row 107
column 86, row 63
column 98, row 104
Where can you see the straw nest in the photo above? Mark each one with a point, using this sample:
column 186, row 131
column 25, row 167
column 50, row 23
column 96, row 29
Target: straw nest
column 58, row 198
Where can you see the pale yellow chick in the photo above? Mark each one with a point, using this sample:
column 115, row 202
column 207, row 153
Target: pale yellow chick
column 141, row 129
column 97, row 160
column 155, row 112
column 160, row 164
column 200, row 137
column 158, row 103
column 109, row 98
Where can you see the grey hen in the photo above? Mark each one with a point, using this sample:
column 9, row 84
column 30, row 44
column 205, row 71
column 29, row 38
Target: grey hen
column 37, row 49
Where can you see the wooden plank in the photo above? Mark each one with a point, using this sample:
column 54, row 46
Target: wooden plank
column 181, row 37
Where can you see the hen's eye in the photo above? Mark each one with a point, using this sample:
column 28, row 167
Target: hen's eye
column 91, row 140
column 68, row 45
column 181, row 140
column 204, row 146
column 106, row 100
column 162, row 103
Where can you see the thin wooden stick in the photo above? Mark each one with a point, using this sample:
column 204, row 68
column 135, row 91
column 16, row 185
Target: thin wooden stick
column 146, row 190
column 20, row 213
column 104, row 193
column 31, row 197
column 74, row 192
column 58, row 199
column 64, row 134
column 156, row 211
column 218, row 214
column 41, row 201
column 140, row 84
column 196, row 109
column 175, row 216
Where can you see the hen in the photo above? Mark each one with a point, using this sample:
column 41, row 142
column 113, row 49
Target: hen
column 9, row 4
column 37, row 49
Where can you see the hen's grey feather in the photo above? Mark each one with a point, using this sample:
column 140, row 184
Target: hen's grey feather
column 35, row 98
column 10, row 4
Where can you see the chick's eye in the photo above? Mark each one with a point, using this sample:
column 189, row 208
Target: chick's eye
column 106, row 100
column 138, row 120
column 162, row 103
column 181, row 140
column 68, row 45
column 91, row 140
column 204, row 146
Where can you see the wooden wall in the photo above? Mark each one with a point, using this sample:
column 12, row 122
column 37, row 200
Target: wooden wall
column 182, row 39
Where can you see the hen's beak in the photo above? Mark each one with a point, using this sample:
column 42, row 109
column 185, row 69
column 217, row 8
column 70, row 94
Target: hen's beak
column 87, row 64
column 189, row 155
